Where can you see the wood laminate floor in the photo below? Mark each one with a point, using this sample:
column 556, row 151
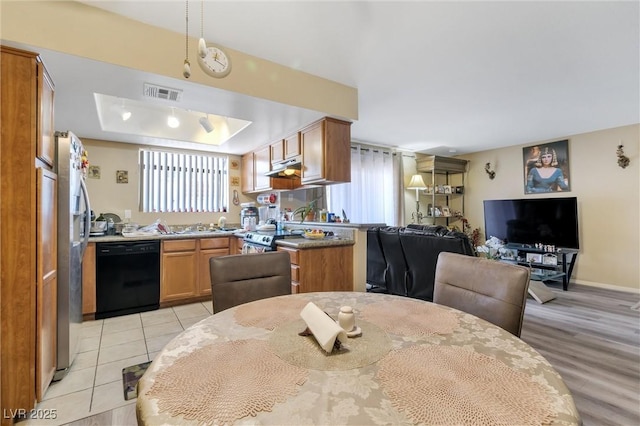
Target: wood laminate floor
column 590, row 335
column 592, row 338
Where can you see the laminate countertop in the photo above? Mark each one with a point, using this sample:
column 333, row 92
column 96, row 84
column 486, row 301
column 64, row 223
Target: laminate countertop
column 299, row 243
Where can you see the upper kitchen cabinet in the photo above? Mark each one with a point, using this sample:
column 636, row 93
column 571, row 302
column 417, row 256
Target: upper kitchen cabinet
column 277, row 151
column 326, row 156
column 286, row 148
column 291, row 146
column 248, row 173
column 255, row 166
column 46, row 137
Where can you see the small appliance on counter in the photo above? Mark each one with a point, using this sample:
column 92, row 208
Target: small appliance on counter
column 249, row 216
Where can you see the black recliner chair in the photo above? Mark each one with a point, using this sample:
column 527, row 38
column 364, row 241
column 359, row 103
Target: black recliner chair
column 402, row 261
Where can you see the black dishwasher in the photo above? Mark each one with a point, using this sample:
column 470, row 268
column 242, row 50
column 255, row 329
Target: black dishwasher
column 127, row 278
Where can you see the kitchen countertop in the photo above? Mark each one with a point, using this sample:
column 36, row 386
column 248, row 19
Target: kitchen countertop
column 299, row 243
column 303, row 243
column 184, row 236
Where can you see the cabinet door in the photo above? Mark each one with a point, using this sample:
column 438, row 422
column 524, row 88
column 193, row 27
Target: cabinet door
column 179, row 272
column 46, row 139
column 262, row 165
column 89, row 280
column 292, row 146
column 277, row 151
column 204, row 280
column 247, row 173
column 47, row 290
column 312, row 143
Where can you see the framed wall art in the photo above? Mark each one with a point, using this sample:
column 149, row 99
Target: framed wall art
column 122, row 176
column 546, row 167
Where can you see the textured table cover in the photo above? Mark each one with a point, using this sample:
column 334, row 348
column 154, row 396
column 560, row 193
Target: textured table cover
column 415, row 363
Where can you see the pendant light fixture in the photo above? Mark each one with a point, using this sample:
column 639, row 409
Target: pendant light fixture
column 206, row 124
column 172, row 120
column 202, row 44
column 186, row 71
column 126, row 114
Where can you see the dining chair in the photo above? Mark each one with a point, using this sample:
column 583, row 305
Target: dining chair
column 243, row 278
column 492, row 290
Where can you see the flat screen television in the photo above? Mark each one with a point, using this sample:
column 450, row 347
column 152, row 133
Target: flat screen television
column 550, row 221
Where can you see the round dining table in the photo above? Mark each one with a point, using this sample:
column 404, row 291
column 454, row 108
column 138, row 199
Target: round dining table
column 410, row 362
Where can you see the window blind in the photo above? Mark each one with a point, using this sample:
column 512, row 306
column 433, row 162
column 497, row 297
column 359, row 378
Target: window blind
column 177, row 182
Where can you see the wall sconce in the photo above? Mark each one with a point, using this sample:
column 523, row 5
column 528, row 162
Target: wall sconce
column 491, row 173
column 418, row 184
column 623, row 160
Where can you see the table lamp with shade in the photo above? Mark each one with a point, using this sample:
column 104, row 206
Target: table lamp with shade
column 418, row 184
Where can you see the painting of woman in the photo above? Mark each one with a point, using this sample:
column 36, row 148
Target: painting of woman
column 545, row 174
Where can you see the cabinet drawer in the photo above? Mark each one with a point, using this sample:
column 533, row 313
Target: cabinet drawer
column 293, row 254
column 208, row 243
column 295, row 273
column 179, row 245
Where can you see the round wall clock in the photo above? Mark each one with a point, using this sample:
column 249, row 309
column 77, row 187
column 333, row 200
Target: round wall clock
column 215, row 62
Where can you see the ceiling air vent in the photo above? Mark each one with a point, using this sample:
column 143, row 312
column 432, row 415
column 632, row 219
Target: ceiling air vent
column 159, row 92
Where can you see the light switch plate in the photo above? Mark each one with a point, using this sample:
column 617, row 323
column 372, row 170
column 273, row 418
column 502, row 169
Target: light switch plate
column 127, row 214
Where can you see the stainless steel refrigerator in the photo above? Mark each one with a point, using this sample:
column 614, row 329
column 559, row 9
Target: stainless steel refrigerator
column 73, row 234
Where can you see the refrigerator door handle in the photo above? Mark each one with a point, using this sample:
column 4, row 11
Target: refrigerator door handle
column 87, row 221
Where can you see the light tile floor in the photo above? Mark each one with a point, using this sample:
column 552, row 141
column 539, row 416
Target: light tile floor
column 94, row 382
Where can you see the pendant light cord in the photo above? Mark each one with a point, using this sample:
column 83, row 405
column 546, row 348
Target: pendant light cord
column 186, row 32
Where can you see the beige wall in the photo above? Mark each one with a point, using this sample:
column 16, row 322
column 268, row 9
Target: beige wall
column 107, row 196
column 81, row 30
column 608, row 200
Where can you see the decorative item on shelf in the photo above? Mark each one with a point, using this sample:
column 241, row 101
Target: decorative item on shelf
column 491, row 173
column 418, row 184
column 623, row 160
column 446, row 212
column 493, row 248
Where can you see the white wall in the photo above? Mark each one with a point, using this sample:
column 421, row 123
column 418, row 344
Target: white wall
column 107, row 196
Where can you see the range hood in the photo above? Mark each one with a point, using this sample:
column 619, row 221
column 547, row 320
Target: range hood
column 289, row 168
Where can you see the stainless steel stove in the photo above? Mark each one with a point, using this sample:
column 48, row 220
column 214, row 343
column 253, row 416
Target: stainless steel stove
column 260, row 242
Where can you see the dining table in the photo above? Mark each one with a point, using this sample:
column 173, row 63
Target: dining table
column 411, row 362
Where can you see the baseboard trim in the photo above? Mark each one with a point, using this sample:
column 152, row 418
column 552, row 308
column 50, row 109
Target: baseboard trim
column 606, row 286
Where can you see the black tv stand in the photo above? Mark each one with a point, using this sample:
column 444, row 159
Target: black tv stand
column 541, row 270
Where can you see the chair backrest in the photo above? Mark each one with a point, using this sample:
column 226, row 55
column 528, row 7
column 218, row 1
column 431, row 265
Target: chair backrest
column 243, row 278
column 489, row 289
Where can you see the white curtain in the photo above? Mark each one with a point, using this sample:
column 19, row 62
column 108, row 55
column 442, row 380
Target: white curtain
column 373, row 194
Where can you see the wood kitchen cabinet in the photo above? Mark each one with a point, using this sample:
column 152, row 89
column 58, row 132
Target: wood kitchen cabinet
column 321, row 269
column 178, row 270
column 262, row 165
column 254, row 167
column 286, row 148
column 292, row 146
column 28, row 229
column 209, row 247
column 277, row 151
column 326, row 152
column 46, row 285
column 247, row 184
column 89, row 282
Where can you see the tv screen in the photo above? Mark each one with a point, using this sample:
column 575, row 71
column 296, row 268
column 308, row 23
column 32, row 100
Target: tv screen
column 550, row 221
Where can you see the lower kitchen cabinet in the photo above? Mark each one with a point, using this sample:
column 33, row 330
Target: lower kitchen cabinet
column 178, row 270
column 209, row 247
column 89, row 282
column 321, row 269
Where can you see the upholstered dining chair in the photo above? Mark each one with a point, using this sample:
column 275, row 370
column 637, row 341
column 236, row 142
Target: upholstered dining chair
column 492, row 290
column 243, row 278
